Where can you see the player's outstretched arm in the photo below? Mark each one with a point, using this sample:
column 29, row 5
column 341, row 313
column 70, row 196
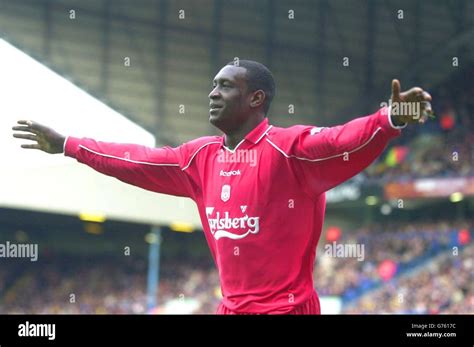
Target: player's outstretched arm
column 332, row 155
column 156, row 169
column 44, row 138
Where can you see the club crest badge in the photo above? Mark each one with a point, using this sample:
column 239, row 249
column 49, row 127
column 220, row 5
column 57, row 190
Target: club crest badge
column 225, row 193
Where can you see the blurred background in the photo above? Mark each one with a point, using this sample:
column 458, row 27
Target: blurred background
column 152, row 63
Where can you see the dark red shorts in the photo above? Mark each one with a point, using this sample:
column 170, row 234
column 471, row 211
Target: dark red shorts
column 311, row 306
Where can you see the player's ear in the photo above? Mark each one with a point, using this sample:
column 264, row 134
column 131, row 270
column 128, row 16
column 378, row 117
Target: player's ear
column 258, row 98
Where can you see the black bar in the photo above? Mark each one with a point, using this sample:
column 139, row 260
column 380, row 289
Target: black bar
column 325, row 330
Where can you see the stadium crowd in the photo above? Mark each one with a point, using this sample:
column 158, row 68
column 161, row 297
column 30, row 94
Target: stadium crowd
column 445, row 285
column 67, row 284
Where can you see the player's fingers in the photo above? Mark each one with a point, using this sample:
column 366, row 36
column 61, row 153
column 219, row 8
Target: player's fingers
column 35, row 146
column 32, row 125
column 426, row 96
column 20, row 128
column 395, row 89
column 423, row 118
column 35, row 125
column 23, row 128
column 25, row 136
column 28, row 123
column 414, row 94
column 426, row 106
column 426, row 111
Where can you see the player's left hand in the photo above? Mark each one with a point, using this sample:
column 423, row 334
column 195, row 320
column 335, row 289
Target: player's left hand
column 411, row 106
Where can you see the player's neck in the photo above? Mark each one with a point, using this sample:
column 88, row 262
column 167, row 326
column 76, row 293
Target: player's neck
column 233, row 138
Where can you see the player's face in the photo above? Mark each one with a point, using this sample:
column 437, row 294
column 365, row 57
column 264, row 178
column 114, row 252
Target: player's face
column 229, row 99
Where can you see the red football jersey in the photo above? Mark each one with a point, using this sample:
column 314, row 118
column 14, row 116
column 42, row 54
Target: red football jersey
column 261, row 204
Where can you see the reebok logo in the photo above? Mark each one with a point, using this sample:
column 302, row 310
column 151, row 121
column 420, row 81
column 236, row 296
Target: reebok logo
column 229, row 173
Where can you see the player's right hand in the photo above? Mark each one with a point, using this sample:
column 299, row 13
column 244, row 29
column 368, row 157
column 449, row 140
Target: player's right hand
column 46, row 139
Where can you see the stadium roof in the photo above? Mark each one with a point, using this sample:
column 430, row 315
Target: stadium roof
column 34, row 180
column 149, row 58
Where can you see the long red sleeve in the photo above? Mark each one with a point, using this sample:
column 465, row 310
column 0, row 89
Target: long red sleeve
column 327, row 157
column 155, row 169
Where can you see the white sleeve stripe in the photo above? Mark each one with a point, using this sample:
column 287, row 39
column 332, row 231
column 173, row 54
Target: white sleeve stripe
column 127, row 160
column 331, row 157
column 192, row 157
column 147, row 163
column 64, row 145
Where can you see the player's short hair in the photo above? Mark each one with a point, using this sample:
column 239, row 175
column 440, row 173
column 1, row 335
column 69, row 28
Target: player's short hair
column 258, row 77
